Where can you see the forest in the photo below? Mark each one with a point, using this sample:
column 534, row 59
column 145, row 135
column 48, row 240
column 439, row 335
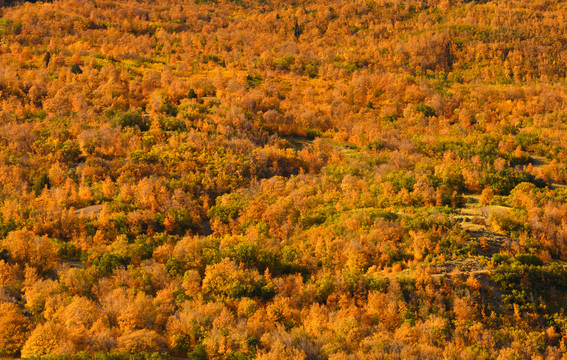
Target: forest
column 282, row 179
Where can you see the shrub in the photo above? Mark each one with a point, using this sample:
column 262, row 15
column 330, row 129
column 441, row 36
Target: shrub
column 40, row 182
column 503, row 181
column 426, row 110
column 529, row 259
column 132, row 118
column 76, row 69
column 284, row 63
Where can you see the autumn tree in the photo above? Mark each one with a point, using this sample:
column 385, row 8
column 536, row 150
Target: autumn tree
column 14, row 329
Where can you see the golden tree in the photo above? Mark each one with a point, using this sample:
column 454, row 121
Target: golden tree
column 14, row 329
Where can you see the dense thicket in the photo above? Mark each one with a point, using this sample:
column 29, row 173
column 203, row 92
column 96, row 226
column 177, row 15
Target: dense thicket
column 279, row 179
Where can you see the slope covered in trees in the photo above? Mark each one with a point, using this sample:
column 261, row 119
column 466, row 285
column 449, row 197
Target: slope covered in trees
column 278, row 179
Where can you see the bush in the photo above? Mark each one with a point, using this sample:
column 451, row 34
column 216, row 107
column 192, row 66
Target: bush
column 226, row 280
column 503, row 181
column 529, row 259
column 312, row 69
column 168, row 108
column 106, row 264
column 8, row 27
column 253, row 80
column 523, row 284
column 132, row 118
column 501, row 259
column 284, row 63
column 40, row 182
column 199, row 352
column 227, row 207
column 426, row 110
column 76, row 69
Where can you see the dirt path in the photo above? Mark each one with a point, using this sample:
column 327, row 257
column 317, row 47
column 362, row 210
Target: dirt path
column 539, row 161
column 89, row 210
column 475, row 219
column 485, row 271
column 456, row 273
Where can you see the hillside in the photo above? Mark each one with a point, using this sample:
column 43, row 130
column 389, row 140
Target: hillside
column 262, row 179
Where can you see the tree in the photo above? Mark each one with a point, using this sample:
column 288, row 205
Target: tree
column 14, row 329
column 26, row 247
column 48, row 338
column 142, row 341
column 226, row 280
column 486, row 196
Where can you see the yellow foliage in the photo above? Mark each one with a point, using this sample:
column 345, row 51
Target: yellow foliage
column 14, row 329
